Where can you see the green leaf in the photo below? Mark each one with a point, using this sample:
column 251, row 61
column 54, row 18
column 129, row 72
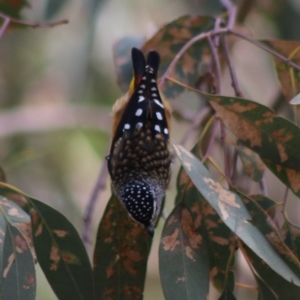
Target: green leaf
column 281, row 287
column 217, row 237
column 291, row 237
column 273, row 138
column 59, row 249
column 121, row 254
column 264, row 291
column 170, row 39
column 61, row 253
column 122, row 59
column 265, row 224
column 18, row 218
column 252, row 164
column 19, row 280
column 183, row 264
column 233, row 212
column 268, row 205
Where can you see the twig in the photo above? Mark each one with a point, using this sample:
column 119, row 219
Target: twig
column 192, row 41
column 4, row 25
column 8, row 20
column 231, row 9
column 217, row 64
column 100, row 185
column 234, row 81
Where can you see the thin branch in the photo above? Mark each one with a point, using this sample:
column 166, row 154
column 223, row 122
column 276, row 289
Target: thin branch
column 190, row 43
column 216, row 63
column 99, row 186
column 233, row 76
column 8, row 20
column 4, row 26
column 231, row 9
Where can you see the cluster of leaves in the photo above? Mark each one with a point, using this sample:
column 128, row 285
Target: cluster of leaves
column 209, row 221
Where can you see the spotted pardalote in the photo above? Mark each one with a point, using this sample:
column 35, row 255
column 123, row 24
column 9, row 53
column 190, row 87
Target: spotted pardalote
column 139, row 160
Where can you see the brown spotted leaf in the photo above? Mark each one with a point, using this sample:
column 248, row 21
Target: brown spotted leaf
column 262, row 221
column 234, row 214
column 217, row 237
column 252, row 163
column 170, row 39
column 268, row 205
column 273, row 138
column 17, row 264
column 291, row 236
column 18, row 218
column 283, row 289
column 183, row 263
column 61, row 253
column 120, row 256
column 59, row 249
column 290, row 81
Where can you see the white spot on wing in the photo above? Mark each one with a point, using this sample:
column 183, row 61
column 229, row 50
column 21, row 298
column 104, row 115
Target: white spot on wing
column 159, row 116
column 166, row 131
column 142, row 86
column 141, row 98
column 138, row 112
column 154, row 89
column 153, row 80
column 157, row 128
column 158, row 103
column 139, row 125
column 126, row 126
column 154, row 95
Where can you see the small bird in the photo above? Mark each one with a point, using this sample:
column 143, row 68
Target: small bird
column 139, row 160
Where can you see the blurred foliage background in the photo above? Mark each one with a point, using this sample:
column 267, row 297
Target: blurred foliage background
column 57, row 86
